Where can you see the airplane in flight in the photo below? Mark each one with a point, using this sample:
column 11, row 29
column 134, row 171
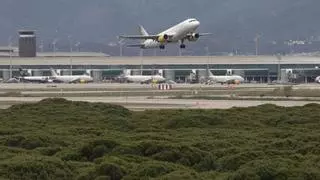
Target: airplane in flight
column 227, row 79
column 186, row 30
column 85, row 78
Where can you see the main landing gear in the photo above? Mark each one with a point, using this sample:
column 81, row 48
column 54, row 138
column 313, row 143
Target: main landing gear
column 182, row 45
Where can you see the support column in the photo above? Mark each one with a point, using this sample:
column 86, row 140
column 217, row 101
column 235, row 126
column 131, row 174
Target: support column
column 135, row 72
column 170, row 75
column 97, row 75
column 37, row 72
column 238, row 72
column 283, row 76
column 6, row 74
column 65, row 72
column 202, row 76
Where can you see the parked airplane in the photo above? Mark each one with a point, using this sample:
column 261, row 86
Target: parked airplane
column 85, row 78
column 227, row 79
column 185, row 30
column 143, row 79
column 317, row 79
column 26, row 77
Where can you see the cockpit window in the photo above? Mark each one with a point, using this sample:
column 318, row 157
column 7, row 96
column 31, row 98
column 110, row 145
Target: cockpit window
column 192, row 20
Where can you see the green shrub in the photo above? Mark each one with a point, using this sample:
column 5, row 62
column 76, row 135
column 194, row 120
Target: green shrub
column 27, row 142
column 97, row 149
column 59, row 139
column 28, row 167
column 113, row 171
column 152, row 169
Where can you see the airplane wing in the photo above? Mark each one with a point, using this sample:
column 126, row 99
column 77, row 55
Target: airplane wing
column 75, row 80
column 139, row 37
column 148, row 81
column 145, row 37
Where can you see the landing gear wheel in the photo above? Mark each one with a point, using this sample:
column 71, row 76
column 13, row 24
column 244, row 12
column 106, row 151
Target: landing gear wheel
column 182, row 46
column 162, row 46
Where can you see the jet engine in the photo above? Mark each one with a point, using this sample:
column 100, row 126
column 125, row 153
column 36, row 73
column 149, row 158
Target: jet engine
column 194, row 37
column 163, row 38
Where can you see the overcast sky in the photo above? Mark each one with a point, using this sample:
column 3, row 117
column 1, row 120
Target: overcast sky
column 102, row 20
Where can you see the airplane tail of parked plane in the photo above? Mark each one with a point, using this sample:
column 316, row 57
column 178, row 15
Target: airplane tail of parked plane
column 87, row 73
column 53, row 72
column 209, row 72
column 23, row 72
column 160, row 72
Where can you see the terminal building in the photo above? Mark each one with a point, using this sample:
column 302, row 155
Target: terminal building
column 259, row 69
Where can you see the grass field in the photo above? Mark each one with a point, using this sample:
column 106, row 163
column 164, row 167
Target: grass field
column 59, row 139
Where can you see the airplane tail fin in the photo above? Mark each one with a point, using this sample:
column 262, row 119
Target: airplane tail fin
column 209, row 72
column 160, row 72
column 126, row 72
column 53, row 72
column 23, row 72
column 87, row 73
column 142, row 31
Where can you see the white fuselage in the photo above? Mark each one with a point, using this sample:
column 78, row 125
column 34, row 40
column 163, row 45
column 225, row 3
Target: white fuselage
column 142, row 78
column 177, row 33
column 225, row 79
column 36, row 78
column 73, row 78
column 317, row 79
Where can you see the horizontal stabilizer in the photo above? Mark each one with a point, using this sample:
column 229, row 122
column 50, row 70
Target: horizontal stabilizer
column 136, row 45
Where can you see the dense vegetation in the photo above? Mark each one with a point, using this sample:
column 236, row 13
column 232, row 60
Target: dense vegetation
column 59, row 139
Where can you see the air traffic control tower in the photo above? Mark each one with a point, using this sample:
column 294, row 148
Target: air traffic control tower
column 27, row 43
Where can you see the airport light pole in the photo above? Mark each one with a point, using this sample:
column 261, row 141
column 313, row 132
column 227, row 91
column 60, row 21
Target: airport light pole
column 41, row 46
column 121, row 43
column 207, row 54
column 279, row 68
column 10, row 54
column 256, row 40
column 70, row 44
column 78, row 46
column 141, row 56
column 54, row 42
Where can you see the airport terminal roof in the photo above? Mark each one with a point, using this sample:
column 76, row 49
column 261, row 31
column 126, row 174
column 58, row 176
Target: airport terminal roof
column 71, row 54
column 4, row 52
column 161, row 60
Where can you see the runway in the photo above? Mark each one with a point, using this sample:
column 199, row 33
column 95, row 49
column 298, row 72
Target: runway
column 104, row 86
column 141, row 103
column 140, row 97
